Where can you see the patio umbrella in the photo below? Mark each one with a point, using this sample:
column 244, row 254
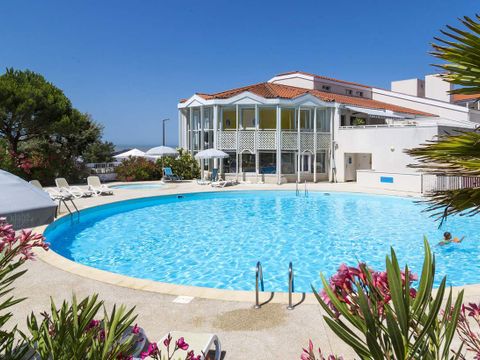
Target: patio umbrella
column 211, row 154
column 162, row 151
column 127, row 154
column 24, row 205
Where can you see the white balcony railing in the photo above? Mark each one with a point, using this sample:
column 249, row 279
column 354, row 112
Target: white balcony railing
column 251, row 140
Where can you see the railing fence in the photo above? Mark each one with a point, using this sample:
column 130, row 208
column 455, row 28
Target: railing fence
column 431, row 183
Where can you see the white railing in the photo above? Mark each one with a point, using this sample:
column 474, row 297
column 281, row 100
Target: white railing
column 379, row 126
column 432, row 183
column 249, row 140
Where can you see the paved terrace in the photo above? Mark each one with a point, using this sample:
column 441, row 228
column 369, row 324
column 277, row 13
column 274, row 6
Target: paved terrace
column 245, row 333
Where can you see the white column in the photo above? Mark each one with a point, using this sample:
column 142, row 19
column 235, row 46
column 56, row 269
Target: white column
column 180, row 129
column 191, row 130
column 215, row 133
column 278, row 135
column 255, row 142
column 202, row 131
column 334, row 125
column 298, row 144
column 315, row 145
column 238, row 137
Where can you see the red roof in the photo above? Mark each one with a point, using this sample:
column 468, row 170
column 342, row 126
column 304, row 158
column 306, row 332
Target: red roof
column 465, row 97
column 278, row 91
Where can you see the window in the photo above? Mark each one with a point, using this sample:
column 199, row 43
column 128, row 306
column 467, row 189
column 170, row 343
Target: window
column 247, row 118
column 343, row 120
column 248, row 162
column 207, row 118
column 325, row 87
column 321, row 162
column 288, row 163
column 268, row 118
column 360, row 93
column 229, row 119
column 230, row 163
column 267, row 162
column 348, row 91
column 323, row 121
column 288, row 119
column 305, row 122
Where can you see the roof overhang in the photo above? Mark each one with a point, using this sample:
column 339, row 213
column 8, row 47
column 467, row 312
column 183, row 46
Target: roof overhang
column 249, row 98
column 378, row 112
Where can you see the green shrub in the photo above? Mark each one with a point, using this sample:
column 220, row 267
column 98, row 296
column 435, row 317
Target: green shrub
column 73, row 332
column 184, row 165
column 381, row 316
column 138, row 169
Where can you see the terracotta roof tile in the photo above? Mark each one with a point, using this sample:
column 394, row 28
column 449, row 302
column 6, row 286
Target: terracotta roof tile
column 463, row 97
column 278, row 91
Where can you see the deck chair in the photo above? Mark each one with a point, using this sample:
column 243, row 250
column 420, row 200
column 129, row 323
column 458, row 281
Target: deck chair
column 200, row 343
column 75, row 191
column 56, row 195
column 213, row 178
column 220, row 183
column 97, row 187
column 169, row 175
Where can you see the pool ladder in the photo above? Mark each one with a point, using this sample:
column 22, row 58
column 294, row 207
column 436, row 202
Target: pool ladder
column 297, row 190
column 259, row 286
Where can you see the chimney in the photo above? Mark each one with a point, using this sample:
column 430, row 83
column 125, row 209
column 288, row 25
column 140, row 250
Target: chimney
column 438, row 89
column 414, row 87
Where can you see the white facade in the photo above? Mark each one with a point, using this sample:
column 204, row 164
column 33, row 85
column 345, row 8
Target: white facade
column 294, row 130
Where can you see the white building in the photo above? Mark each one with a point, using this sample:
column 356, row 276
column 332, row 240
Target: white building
column 299, row 126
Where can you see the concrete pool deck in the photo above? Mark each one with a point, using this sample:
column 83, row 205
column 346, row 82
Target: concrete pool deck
column 245, row 333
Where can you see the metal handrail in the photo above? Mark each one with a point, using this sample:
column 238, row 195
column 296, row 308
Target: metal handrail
column 297, row 192
column 306, row 191
column 291, row 286
column 258, row 281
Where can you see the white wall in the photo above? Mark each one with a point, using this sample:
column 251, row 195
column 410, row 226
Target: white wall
column 386, row 144
column 293, row 80
column 414, row 87
column 437, row 88
column 435, row 107
column 401, row 182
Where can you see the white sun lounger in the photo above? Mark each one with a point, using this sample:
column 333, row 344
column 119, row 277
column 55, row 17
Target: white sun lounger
column 97, row 187
column 200, row 343
column 75, row 191
column 54, row 194
column 222, row 183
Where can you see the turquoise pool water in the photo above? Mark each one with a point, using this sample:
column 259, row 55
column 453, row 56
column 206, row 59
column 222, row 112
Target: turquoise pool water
column 215, row 239
column 137, row 186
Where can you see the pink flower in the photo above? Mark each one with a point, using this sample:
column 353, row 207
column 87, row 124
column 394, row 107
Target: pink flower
column 152, row 350
column 191, row 356
column 473, row 310
column 181, row 344
column 167, row 341
column 93, row 324
column 135, row 330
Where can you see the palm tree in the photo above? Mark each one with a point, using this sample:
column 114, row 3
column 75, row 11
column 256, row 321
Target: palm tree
column 458, row 154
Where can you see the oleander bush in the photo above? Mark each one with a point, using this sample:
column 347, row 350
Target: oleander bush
column 380, row 315
column 138, row 169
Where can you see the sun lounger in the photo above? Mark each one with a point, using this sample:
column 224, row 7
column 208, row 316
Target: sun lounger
column 56, row 195
column 75, row 191
column 200, row 343
column 97, row 187
column 169, row 175
column 220, row 183
column 213, row 178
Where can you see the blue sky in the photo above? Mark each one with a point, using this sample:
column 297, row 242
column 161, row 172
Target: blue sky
column 129, row 62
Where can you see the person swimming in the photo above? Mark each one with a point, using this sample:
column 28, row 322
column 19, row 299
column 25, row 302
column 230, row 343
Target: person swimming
column 447, row 239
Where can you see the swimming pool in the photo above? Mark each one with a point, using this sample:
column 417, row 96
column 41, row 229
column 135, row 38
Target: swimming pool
column 215, row 239
column 137, row 186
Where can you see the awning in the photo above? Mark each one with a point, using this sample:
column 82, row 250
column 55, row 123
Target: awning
column 375, row 112
column 24, row 205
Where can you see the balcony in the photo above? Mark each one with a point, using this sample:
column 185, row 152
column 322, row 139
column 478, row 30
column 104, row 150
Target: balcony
column 253, row 140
